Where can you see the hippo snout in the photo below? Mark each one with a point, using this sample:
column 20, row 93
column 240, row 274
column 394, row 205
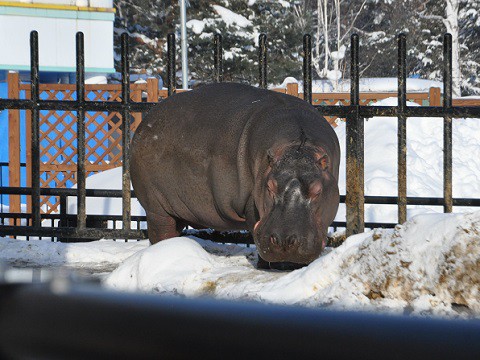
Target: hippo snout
column 293, row 248
column 286, row 243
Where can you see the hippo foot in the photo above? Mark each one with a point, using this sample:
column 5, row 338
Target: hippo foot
column 285, row 266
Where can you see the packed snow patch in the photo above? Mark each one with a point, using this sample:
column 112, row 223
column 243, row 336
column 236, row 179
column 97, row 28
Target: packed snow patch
column 428, row 266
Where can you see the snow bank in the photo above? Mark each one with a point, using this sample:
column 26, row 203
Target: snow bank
column 429, row 266
column 371, row 85
column 103, row 255
column 176, row 262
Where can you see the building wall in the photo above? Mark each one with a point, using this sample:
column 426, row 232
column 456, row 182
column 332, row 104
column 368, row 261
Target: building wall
column 57, row 25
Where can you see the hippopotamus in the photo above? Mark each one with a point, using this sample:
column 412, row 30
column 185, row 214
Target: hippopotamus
column 229, row 156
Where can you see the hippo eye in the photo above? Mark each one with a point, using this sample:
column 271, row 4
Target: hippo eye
column 272, row 187
column 314, row 190
column 322, row 160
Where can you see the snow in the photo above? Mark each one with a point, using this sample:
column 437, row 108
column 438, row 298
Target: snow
column 197, row 26
column 424, row 161
column 370, row 85
column 230, row 18
column 428, row 266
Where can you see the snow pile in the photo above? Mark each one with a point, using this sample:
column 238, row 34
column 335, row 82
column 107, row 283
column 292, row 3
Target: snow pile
column 370, row 85
column 427, row 266
column 103, row 255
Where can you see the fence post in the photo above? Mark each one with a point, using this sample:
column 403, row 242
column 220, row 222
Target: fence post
column 171, row 69
column 434, row 96
column 307, row 68
column 152, row 90
column 447, row 123
column 218, row 58
column 126, row 194
column 355, row 168
column 14, row 142
column 262, row 60
column 292, row 89
column 402, row 129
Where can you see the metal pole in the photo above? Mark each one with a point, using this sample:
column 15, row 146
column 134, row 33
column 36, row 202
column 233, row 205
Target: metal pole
column 81, row 173
column 35, row 91
column 402, row 129
column 355, row 153
column 218, row 58
column 447, row 123
column 171, row 64
column 183, row 28
column 126, row 195
column 262, row 60
column 307, row 68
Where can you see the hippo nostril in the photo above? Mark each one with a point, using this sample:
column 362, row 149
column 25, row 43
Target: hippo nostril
column 292, row 240
column 274, row 239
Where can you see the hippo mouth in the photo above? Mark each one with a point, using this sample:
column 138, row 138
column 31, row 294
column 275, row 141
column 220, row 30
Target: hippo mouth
column 276, row 259
column 283, row 265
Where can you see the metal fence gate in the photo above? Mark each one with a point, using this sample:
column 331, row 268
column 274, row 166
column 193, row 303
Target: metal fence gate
column 83, row 227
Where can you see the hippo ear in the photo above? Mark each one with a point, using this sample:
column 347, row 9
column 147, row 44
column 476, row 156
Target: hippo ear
column 271, row 157
column 322, row 160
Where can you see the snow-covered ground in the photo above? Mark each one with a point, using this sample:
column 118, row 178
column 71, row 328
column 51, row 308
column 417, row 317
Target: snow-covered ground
column 427, row 266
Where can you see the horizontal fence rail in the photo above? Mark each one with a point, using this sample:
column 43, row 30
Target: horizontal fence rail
column 353, row 108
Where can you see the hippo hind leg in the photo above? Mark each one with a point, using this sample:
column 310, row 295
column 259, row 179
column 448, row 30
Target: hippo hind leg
column 162, row 226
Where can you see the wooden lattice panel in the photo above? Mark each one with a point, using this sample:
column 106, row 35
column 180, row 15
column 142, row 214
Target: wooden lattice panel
column 58, row 137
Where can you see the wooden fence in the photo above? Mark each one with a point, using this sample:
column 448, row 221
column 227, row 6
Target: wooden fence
column 58, row 131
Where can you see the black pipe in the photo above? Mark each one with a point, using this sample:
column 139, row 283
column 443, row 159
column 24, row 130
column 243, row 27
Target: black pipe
column 171, row 68
column 355, row 150
column 218, row 58
column 402, row 129
column 447, row 123
column 126, row 199
column 67, row 105
column 262, row 60
column 79, row 322
column 35, row 95
column 307, row 68
column 81, row 173
column 327, row 110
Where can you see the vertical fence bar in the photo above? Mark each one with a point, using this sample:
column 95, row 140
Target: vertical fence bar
column 402, row 129
column 14, row 168
column 218, row 58
column 35, row 95
column 81, row 174
column 355, row 168
column 171, row 64
column 307, row 68
column 447, row 123
column 262, row 60
column 126, row 195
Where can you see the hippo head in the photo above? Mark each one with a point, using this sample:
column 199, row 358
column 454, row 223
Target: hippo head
column 296, row 201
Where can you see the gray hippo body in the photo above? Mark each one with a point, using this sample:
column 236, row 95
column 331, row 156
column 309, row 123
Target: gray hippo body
column 234, row 157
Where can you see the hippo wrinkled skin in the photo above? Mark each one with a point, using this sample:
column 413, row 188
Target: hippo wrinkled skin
column 234, row 157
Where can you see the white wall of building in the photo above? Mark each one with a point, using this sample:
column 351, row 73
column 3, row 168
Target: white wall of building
column 56, row 29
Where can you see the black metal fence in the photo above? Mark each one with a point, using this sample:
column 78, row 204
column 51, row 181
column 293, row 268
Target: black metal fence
column 83, row 227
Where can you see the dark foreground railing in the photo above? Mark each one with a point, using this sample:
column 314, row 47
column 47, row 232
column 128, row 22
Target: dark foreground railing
column 62, row 321
column 355, row 114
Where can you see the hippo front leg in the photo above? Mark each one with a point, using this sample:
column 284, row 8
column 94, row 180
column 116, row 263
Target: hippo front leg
column 162, row 226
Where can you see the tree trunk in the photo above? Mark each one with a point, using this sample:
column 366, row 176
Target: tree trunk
column 451, row 23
